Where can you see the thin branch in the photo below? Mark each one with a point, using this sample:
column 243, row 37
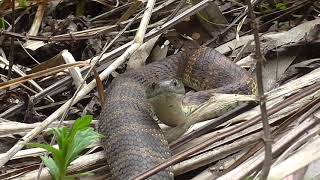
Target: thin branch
column 36, row 24
column 21, row 73
column 210, row 126
column 11, row 56
column 176, row 10
column 264, row 117
column 39, row 74
column 255, row 161
column 233, row 23
column 304, row 157
column 280, row 129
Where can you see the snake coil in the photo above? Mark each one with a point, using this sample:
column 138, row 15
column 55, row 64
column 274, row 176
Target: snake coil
column 133, row 141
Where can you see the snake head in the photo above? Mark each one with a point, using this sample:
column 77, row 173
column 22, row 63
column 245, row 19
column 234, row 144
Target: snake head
column 165, row 87
column 165, row 98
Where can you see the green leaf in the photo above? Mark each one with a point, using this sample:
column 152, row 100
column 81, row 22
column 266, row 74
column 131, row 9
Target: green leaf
column 280, row 6
column 62, row 135
column 68, row 178
column 81, row 141
column 2, row 24
column 47, row 147
column 58, row 155
column 53, row 169
column 80, row 124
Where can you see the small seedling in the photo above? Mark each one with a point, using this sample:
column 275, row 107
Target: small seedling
column 71, row 143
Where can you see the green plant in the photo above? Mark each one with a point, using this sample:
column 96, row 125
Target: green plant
column 266, row 8
column 281, row 6
column 71, row 143
column 23, row 3
column 2, row 23
column 81, row 8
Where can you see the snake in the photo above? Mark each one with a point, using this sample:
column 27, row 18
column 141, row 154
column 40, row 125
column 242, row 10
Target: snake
column 132, row 140
column 174, row 107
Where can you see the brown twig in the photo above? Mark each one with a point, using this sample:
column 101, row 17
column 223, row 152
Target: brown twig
column 255, row 162
column 210, row 126
column 264, row 117
column 39, row 74
column 11, row 59
column 176, row 10
column 302, row 113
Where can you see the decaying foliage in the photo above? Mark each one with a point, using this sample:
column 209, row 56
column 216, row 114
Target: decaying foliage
column 57, row 58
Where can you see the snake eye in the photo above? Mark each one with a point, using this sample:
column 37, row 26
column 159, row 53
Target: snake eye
column 175, row 83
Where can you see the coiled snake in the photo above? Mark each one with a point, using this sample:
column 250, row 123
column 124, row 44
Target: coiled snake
column 133, row 141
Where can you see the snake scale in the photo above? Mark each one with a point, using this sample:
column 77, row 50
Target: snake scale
column 133, row 141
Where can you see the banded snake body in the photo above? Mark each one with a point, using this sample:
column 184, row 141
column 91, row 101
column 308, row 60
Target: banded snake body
column 133, row 141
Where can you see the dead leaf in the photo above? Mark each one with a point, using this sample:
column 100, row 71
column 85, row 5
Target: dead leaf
column 100, row 89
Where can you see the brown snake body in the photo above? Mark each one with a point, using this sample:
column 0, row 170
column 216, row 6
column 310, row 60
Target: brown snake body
column 133, row 141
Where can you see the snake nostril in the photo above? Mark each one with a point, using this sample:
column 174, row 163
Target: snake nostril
column 153, row 86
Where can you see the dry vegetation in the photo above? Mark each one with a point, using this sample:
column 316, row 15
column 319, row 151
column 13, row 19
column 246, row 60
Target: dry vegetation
column 60, row 55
